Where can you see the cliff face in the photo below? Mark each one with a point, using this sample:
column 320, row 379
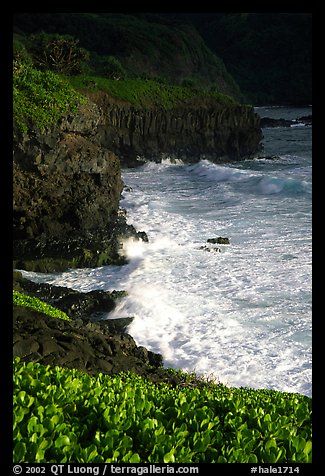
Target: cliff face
column 66, row 177
column 211, row 131
column 66, row 192
column 67, row 180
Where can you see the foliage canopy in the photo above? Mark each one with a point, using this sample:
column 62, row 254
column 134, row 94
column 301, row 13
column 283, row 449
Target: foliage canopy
column 62, row 415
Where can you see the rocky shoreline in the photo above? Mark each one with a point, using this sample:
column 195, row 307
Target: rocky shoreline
column 67, row 180
column 271, row 122
column 67, row 187
column 86, row 342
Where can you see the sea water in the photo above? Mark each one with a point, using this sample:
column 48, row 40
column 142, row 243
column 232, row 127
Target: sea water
column 239, row 313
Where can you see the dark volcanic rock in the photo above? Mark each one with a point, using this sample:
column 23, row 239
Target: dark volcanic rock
column 190, row 132
column 64, row 181
column 207, row 248
column 307, row 120
column 66, row 193
column 67, row 180
column 88, row 348
column 77, row 305
column 271, row 122
column 219, row 240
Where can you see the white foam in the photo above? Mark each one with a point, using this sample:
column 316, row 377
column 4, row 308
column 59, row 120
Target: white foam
column 172, row 161
column 244, row 314
column 230, row 313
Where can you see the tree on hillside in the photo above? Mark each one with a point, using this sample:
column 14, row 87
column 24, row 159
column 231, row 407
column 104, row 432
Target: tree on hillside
column 58, row 53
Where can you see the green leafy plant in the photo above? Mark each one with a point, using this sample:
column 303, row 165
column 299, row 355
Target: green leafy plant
column 62, row 415
column 108, row 66
column 149, row 93
column 40, row 98
column 24, row 300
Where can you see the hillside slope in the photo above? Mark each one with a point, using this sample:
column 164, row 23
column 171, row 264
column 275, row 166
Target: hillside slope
column 145, row 46
column 268, row 54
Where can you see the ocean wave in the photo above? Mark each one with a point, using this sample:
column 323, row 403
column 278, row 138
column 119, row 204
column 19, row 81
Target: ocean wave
column 269, row 185
column 255, row 182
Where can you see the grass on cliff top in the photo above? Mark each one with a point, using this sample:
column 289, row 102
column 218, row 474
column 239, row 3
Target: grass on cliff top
column 148, row 93
column 40, row 98
column 63, row 415
column 24, row 300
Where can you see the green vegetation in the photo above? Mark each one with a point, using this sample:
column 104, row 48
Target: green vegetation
column 24, row 300
column 62, row 415
column 49, row 69
column 40, row 98
column 148, row 92
column 133, row 46
column 268, row 54
column 59, row 53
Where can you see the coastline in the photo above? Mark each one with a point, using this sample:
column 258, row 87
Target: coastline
column 85, row 342
column 85, row 389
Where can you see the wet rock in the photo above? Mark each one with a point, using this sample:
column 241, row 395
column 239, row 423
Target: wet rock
column 307, row 120
column 115, row 325
column 271, row 122
column 155, row 359
column 210, row 248
column 91, row 305
column 219, row 240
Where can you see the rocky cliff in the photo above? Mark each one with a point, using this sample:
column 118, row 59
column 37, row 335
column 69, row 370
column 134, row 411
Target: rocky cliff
column 190, row 132
column 66, row 192
column 67, row 180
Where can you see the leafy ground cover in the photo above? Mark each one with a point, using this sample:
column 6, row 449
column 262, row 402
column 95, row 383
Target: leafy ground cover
column 148, row 92
column 24, row 300
column 40, row 97
column 62, row 415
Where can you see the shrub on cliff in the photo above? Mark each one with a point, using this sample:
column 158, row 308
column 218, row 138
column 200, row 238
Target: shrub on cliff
column 21, row 56
column 40, row 98
column 59, row 53
column 63, row 416
column 107, row 66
